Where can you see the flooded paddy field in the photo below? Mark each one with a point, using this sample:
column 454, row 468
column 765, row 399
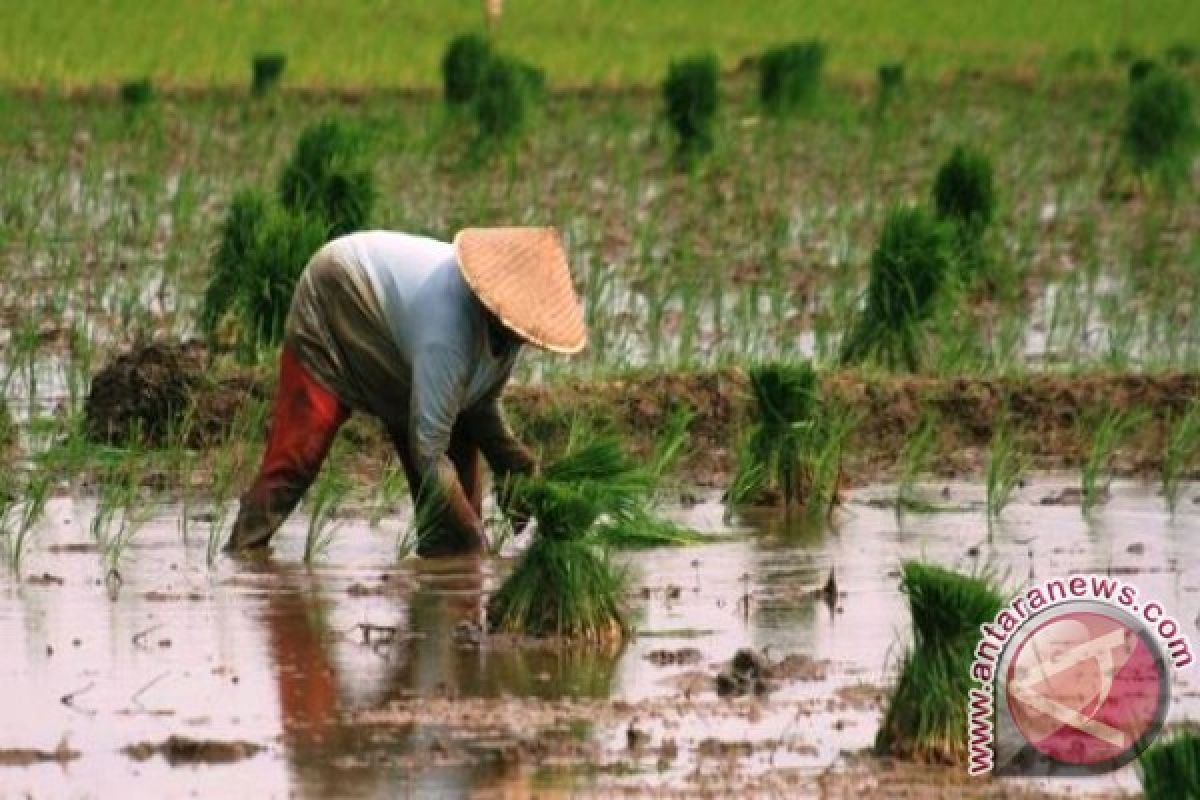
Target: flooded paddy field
column 364, row 676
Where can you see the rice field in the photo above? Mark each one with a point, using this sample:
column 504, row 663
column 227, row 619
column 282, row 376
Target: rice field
column 872, row 350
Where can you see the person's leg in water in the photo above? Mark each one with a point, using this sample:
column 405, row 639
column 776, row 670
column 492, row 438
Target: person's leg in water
column 305, row 418
column 433, row 538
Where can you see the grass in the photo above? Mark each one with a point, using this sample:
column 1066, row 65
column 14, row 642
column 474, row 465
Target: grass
column 926, row 715
column 618, row 42
column 1161, row 133
column 1170, row 768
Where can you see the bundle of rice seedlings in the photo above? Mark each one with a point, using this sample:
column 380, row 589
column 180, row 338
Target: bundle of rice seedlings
column 925, row 717
column 891, row 82
column 964, row 196
column 281, row 247
column 138, row 93
column 329, row 178
column 690, row 94
column 790, row 75
column 964, row 191
column 1160, row 126
column 501, row 104
column 909, row 267
column 1140, row 68
column 463, row 65
column 267, row 70
column 1170, row 768
column 242, row 223
column 593, row 498
column 778, row 452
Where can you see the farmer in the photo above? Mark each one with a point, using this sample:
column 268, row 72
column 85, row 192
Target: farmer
column 423, row 335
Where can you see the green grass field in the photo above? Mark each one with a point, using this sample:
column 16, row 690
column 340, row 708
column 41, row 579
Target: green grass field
column 83, row 43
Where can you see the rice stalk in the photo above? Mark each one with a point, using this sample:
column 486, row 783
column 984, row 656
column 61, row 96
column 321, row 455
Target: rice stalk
column 1181, row 454
column 1006, row 464
column 1109, row 432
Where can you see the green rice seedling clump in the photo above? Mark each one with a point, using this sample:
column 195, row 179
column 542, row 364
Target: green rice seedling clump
column 562, row 587
column 328, row 176
column 926, row 715
column 502, row 102
column 1140, row 68
column 267, row 70
column 1182, row 54
column 592, row 499
column 909, row 267
column 691, row 97
column 891, row 82
column 789, row 76
column 463, row 66
column 239, row 230
column 1170, row 768
column 964, row 190
column 1160, row 126
column 137, row 93
column 284, row 243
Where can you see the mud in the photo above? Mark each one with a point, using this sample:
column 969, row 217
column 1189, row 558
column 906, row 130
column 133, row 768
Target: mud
column 363, row 676
column 154, row 388
column 162, row 390
column 181, row 750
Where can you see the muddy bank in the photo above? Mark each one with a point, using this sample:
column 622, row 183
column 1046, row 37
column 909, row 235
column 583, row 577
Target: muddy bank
column 160, row 390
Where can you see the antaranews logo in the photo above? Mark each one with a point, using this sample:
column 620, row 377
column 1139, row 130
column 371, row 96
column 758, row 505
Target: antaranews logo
column 1073, row 678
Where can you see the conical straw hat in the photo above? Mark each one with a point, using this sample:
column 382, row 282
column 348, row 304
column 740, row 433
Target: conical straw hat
column 521, row 276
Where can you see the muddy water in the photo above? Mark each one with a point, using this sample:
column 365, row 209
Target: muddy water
column 364, row 677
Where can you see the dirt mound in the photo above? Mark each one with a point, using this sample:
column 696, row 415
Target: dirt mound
column 145, row 393
column 160, row 390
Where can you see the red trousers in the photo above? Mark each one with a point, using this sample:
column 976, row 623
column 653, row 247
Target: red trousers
column 305, row 418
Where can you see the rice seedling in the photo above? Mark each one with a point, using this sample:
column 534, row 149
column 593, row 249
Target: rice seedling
column 789, row 76
column 323, row 502
column 388, row 492
column 284, row 243
column 1182, row 453
column 223, row 478
column 120, row 513
column 1005, row 466
column 239, row 232
column 915, row 458
column 328, row 177
column 1141, row 67
column 463, row 66
column 1109, row 430
column 908, row 269
column 592, row 498
column 1182, row 54
column 137, row 93
column 890, row 78
column 19, row 515
column 267, row 70
column 1170, row 767
column 964, row 195
column 926, row 714
column 500, row 107
column 1160, row 126
column 794, row 445
column 691, row 98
